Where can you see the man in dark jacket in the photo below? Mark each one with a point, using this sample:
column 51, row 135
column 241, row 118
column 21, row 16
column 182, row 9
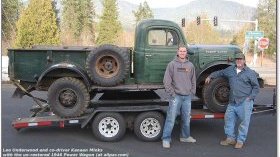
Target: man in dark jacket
column 244, row 88
column 180, row 83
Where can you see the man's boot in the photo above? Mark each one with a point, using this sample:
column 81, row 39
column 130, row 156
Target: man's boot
column 228, row 141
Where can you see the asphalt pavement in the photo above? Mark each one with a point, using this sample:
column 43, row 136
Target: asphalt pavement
column 70, row 141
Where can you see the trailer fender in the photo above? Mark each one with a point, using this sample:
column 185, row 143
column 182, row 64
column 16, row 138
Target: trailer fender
column 89, row 118
column 79, row 71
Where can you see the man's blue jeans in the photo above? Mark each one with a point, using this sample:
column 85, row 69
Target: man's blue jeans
column 242, row 112
column 178, row 105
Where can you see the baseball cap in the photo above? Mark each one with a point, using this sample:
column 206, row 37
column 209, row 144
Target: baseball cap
column 239, row 56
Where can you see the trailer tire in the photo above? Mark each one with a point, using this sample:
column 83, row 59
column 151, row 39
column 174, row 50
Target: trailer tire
column 216, row 95
column 68, row 97
column 148, row 126
column 108, row 65
column 108, row 126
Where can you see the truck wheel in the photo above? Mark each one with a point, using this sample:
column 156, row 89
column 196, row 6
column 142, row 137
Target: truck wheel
column 216, row 95
column 148, row 126
column 68, row 97
column 108, row 126
column 107, row 65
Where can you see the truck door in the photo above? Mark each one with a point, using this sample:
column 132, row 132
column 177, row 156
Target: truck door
column 160, row 49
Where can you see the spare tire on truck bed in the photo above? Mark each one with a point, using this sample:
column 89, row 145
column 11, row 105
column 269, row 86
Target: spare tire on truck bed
column 68, row 97
column 108, row 65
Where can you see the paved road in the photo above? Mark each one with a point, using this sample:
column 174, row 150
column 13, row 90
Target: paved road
column 268, row 73
column 261, row 140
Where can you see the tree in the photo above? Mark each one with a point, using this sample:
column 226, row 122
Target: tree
column 10, row 12
column 109, row 27
column 143, row 12
column 239, row 37
column 77, row 21
column 37, row 25
column 266, row 14
column 203, row 33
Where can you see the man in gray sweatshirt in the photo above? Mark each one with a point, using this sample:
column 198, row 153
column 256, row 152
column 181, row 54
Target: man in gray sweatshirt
column 180, row 83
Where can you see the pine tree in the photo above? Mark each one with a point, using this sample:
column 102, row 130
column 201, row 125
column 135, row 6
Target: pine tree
column 109, row 26
column 37, row 25
column 10, row 11
column 266, row 14
column 143, row 12
column 77, row 20
column 9, row 15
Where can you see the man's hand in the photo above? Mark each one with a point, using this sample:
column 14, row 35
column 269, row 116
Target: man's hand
column 248, row 99
column 207, row 80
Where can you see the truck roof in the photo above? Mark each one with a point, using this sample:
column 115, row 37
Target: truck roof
column 152, row 22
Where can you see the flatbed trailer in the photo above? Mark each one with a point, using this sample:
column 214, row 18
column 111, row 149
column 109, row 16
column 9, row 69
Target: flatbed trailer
column 111, row 114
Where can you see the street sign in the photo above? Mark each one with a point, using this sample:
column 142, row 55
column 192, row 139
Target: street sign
column 254, row 34
column 263, row 43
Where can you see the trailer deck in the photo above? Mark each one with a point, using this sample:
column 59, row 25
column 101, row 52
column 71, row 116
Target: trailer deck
column 112, row 112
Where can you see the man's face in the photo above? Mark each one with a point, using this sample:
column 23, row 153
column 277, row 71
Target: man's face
column 240, row 62
column 182, row 52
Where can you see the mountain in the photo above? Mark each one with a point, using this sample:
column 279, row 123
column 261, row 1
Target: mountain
column 221, row 8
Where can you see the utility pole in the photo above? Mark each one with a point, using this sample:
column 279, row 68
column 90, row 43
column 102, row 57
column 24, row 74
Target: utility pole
column 255, row 44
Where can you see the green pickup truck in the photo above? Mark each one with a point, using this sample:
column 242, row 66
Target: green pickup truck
column 73, row 75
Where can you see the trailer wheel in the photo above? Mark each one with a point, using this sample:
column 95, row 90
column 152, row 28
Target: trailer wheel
column 107, row 65
column 216, row 95
column 108, row 126
column 148, row 126
column 68, row 97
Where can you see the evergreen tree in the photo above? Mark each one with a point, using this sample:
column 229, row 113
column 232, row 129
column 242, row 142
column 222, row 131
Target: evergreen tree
column 37, row 25
column 143, row 12
column 109, row 27
column 266, row 14
column 77, row 20
column 239, row 37
column 10, row 12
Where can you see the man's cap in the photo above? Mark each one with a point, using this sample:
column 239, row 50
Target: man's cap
column 239, row 56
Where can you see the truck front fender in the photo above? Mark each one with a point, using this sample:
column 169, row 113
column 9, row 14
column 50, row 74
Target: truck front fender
column 219, row 66
column 211, row 68
column 76, row 69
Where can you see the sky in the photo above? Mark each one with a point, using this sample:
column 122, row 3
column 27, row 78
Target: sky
column 176, row 3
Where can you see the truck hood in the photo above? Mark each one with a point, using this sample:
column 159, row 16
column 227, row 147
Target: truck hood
column 214, row 48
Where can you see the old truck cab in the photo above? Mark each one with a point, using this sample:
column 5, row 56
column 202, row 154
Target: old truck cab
column 156, row 44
